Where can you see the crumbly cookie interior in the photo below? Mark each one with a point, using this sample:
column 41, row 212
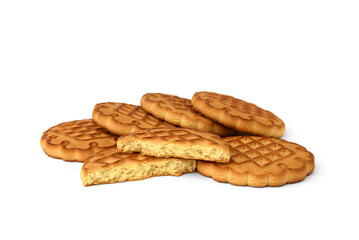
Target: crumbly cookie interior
column 113, row 173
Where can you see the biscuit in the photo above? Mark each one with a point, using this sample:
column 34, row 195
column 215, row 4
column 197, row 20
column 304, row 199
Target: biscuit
column 178, row 142
column 122, row 118
column 76, row 140
column 180, row 112
column 110, row 166
column 260, row 161
column 238, row 114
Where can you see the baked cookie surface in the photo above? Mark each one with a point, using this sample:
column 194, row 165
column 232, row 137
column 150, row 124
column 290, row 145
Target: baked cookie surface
column 76, row 140
column 260, row 161
column 110, row 166
column 179, row 111
column 238, row 114
column 123, row 118
column 176, row 142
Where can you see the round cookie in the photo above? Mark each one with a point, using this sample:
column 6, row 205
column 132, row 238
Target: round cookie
column 76, row 141
column 123, row 118
column 260, row 161
column 180, row 112
column 238, row 114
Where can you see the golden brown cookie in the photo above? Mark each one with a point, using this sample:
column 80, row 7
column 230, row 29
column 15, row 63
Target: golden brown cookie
column 260, row 161
column 110, row 166
column 76, row 140
column 180, row 112
column 238, row 114
column 122, row 118
column 178, row 142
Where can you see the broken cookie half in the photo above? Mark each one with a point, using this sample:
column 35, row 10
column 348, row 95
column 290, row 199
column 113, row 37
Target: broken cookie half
column 176, row 142
column 111, row 166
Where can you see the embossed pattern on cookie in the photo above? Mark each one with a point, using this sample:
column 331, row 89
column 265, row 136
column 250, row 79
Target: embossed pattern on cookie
column 179, row 111
column 260, row 162
column 76, row 140
column 122, row 118
column 238, row 114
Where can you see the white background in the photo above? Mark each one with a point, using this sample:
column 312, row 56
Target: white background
column 299, row 59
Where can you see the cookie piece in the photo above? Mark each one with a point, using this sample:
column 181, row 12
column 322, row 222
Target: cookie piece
column 110, row 166
column 238, row 114
column 76, row 140
column 179, row 142
column 180, row 112
column 122, row 118
column 260, row 161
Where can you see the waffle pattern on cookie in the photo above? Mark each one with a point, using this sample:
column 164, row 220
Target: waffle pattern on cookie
column 76, row 140
column 179, row 111
column 262, row 151
column 238, row 114
column 110, row 166
column 122, row 118
column 176, row 135
column 261, row 161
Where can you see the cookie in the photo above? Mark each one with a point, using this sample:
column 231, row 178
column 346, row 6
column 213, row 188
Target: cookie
column 178, row 142
column 76, row 140
column 260, row 161
column 180, row 112
column 238, row 114
column 110, row 166
column 122, row 118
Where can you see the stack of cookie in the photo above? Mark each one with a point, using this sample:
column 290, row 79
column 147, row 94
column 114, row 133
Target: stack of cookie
column 220, row 136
